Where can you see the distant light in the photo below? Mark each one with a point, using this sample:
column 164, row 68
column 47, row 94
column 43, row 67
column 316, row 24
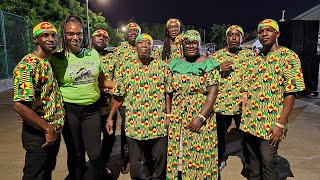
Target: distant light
column 123, row 29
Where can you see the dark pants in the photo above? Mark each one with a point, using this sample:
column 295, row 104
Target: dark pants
column 82, row 133
column 108, row 140
column 124, row 142
column 154, row 155
column 263, row 159
column 223, row 123
column 39, row 162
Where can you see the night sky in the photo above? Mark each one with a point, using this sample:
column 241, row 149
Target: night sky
column 200, row 13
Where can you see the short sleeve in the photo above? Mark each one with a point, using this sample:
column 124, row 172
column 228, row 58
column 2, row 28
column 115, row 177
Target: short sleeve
column 212, row 77
column 23, row 82
column 119, row 87
column 292, row 73
column 108, row 65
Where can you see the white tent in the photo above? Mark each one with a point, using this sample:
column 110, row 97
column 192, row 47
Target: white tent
column 253, row 43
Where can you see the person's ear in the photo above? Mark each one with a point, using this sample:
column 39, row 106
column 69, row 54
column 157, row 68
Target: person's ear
column 35, row 40
column 278, row 34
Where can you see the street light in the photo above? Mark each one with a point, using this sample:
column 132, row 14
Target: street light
column 87, row 5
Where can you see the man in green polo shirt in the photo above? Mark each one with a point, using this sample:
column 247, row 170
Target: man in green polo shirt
column 270, row 83
column 38, row 101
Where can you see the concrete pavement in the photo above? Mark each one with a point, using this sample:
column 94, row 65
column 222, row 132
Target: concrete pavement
column 298, row 154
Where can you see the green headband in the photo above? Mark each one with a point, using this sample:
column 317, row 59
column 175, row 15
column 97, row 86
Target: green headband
column 192, row 35
column 42, row 27
column 239, row 28
column 269, row 22
column 144, row 36
column 133, row 26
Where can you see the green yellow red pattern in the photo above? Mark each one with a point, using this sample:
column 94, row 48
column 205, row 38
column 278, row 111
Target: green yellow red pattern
column 34, row 82
column 266, row 81
column 199, row 159
column 124, row 53
column 229, row 97
column 144, row 88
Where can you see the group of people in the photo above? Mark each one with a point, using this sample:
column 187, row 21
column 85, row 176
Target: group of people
column 176, row 105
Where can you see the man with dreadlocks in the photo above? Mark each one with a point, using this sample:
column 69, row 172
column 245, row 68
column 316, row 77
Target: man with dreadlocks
column 38, row 101
column 78, row 71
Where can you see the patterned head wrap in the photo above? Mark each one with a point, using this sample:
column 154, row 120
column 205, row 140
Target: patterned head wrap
column 133, row 26
column 42, row 27
column 192, row 35
column 145, row 36
column 100, row 32
column 173, row 20
column 239, row 28
column 269, row 22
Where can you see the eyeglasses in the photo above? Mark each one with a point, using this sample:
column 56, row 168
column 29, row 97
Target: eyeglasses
column 80, row 34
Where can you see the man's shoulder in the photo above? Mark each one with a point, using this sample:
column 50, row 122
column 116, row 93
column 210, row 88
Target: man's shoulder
column 29, row 60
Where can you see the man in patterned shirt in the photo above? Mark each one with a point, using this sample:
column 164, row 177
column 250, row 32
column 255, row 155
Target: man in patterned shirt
column 144, row 83
column 38, row 102
column 99, row 41
column 229, row 100
column 271, row 82
column 123, row 53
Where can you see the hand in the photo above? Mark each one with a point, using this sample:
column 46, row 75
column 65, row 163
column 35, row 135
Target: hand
column 51, row 136
column 226, row 66
column 276, row 133
column 20, row 118
column 167, row 121
column 195, row 125
column 109, row 126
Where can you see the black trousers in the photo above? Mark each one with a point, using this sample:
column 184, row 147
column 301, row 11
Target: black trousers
column 39, row 162
column 124, row 141
column 107, row 140
column 153, row 153
column 82, row 133
column 223, row 123
column 263, row 159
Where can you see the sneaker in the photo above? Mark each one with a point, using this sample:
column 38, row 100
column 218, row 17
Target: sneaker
column 222, row 165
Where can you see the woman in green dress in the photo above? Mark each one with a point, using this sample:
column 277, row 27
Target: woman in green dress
column 192, row 144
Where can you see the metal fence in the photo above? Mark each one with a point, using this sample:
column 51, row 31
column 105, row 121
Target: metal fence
column 15, row 42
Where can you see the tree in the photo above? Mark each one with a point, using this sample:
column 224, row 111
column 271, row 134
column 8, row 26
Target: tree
column 53, row 11
column 218, row 36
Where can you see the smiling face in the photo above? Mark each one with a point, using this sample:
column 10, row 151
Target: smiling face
column 190, row 47
column 267, row 35
column 74, row 36
column 131, row 35
column 234, row 39
column 47, row 40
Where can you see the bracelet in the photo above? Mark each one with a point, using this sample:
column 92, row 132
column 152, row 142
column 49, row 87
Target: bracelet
column 279, row 125
column 168, row 115
column 202, row 118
